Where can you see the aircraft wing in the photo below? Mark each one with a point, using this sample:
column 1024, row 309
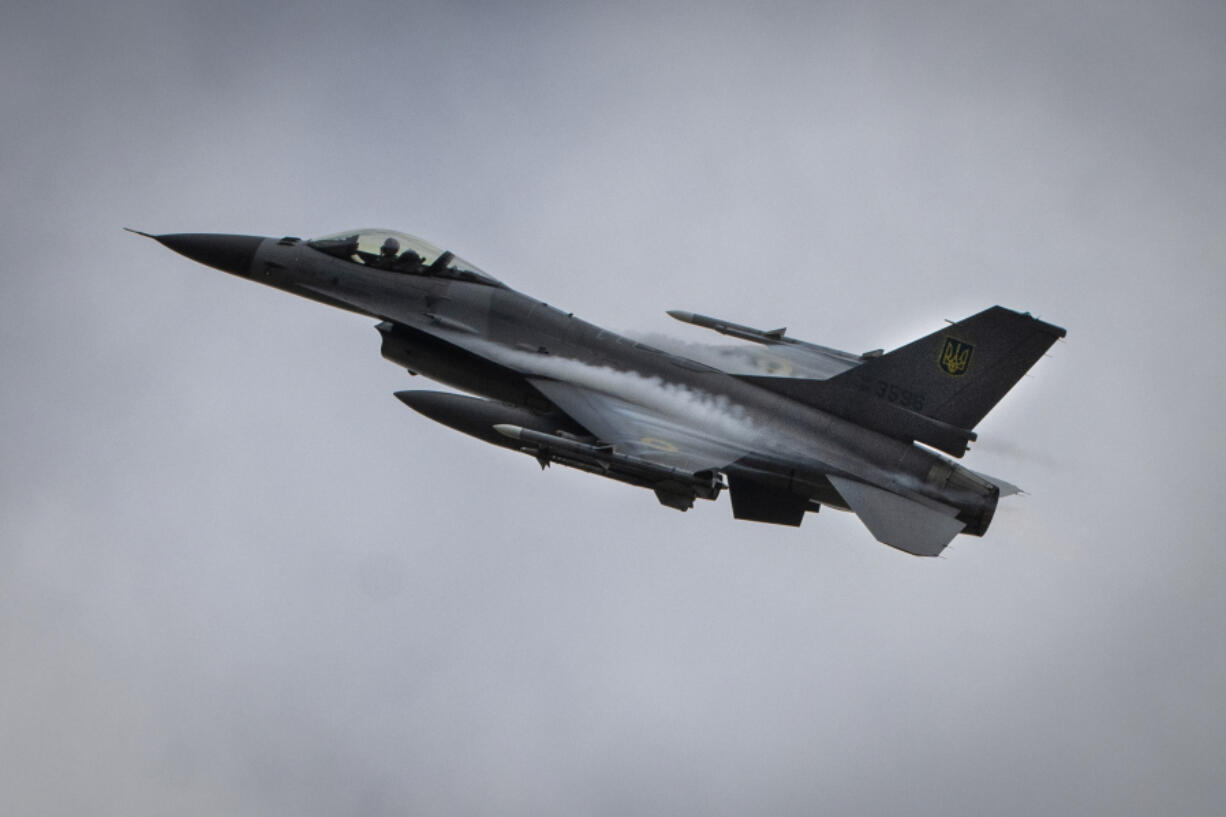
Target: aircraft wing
column 651, row 433
column 782, row 356
column 644, row 420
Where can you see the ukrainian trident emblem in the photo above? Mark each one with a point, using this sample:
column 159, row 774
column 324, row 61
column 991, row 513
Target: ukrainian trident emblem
column 955, row 357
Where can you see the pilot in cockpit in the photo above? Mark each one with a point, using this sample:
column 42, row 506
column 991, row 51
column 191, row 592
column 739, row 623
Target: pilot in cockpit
column 385, row 258
column 387, row 254
column 408, row 261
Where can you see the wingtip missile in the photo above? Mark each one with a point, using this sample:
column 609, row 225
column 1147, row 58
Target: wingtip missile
column 731, row 329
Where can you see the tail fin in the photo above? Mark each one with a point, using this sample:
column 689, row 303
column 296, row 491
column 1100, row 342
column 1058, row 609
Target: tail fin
column 935, row 389
column 956, row 375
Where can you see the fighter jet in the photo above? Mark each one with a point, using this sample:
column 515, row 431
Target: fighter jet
column 817, row 427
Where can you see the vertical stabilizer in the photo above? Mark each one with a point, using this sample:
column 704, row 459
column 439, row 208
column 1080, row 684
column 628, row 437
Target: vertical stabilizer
column 955, row 376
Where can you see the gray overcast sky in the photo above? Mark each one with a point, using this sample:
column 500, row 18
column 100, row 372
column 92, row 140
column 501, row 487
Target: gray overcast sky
column 237, row 576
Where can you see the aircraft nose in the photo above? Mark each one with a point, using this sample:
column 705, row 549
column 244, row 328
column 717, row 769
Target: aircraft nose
column 229, row 253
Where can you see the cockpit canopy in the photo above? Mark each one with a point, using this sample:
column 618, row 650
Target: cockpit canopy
column 398, row 252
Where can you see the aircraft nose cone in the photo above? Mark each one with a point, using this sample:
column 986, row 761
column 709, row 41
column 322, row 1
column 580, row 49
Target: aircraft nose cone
column 229, row 253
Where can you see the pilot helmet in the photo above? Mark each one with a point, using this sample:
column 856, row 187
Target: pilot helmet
column 390, row 247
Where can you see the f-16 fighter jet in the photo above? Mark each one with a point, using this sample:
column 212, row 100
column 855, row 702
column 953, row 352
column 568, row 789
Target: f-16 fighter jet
column 819, row 427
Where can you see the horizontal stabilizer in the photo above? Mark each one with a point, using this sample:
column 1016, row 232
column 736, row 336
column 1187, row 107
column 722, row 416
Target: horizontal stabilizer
column 897, row 521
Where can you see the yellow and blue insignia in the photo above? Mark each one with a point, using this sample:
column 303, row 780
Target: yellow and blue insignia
column 955, row 357
column 659, row 445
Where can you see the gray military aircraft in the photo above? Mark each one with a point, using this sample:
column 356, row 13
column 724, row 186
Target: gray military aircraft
column 819, row 427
